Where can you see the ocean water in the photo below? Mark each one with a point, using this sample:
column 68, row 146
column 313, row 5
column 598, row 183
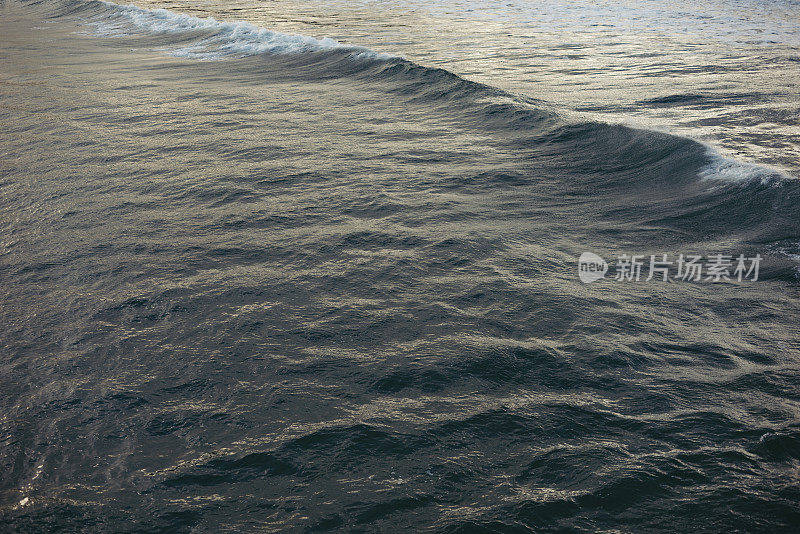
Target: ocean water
column 314, row 266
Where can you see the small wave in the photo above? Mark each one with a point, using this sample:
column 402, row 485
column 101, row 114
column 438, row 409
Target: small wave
column 214, row 39
column 617, row 155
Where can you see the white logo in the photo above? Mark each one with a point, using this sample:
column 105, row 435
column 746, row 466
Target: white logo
column 717, row 268
column 591, row 267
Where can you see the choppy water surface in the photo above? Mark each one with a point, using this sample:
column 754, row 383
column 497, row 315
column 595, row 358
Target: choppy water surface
column 254, row 279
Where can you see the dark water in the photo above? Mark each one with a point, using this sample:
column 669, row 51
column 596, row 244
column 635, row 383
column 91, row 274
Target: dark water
column 254, row 282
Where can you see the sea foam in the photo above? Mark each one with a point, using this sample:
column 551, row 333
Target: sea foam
column 214, row 39
column 728, row 170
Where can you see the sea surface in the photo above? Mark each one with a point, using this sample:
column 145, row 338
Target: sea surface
column 310, row 266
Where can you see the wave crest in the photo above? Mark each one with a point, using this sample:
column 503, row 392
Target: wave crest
column 213, row 39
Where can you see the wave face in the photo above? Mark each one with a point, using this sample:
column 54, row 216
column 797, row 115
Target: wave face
column 254, row 280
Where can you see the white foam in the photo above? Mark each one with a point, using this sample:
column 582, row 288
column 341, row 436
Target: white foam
column 728, row 170
column 228, row 39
